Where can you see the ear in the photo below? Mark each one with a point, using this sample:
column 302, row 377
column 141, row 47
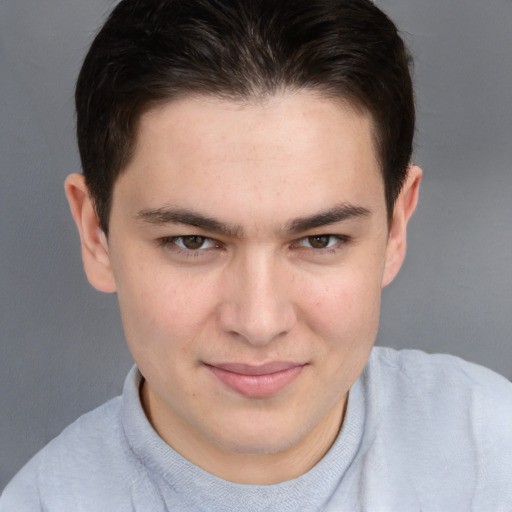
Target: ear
column 402, row 211
column 95, row 251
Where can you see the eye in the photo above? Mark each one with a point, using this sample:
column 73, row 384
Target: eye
column 189, row 242
column 319, row 241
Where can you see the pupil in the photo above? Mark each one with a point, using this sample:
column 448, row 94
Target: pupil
column 193, row 242
column 319, row 242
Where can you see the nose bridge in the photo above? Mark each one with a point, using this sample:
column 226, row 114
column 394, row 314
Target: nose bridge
column 257, row 305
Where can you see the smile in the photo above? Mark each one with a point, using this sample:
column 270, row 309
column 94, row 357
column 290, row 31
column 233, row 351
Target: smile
column 257, row 381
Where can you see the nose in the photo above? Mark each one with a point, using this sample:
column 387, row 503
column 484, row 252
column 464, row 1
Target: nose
column 256, row 302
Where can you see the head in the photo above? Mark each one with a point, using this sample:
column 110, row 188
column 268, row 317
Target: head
column 246, row 194
column 153, row 51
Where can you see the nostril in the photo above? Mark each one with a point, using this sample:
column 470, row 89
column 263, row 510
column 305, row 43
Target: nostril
column 257, row 327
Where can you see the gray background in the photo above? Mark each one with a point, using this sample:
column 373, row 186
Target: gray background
column 62, row 348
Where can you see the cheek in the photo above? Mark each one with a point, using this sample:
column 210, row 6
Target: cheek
column 346, row 308
column 161, row 310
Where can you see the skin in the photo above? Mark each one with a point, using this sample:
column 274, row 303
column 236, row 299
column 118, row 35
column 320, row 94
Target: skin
column 269, row 280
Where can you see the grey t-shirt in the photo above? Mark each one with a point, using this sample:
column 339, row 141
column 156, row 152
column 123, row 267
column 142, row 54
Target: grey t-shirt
column 421, row 432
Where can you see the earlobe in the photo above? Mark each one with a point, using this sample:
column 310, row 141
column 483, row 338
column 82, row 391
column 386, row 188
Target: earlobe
column 95, row 251
column 402, row 212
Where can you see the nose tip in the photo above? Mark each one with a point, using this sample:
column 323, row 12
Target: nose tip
column 258, row 308
column 261, row 328
column 257, row 330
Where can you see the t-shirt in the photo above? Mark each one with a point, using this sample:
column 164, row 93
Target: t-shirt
column 421, row 432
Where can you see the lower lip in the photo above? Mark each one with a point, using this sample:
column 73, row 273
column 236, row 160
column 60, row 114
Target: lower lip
column 257, row 386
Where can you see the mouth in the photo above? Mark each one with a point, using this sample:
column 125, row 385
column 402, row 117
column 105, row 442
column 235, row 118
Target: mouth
column 256, row 381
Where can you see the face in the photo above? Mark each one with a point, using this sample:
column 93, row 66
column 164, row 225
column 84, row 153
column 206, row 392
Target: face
column 248, row 245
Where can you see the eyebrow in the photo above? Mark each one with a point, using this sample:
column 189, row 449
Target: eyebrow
column 162, row 216
column 340, row 213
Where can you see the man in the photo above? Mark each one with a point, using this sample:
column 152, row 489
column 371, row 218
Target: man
column 246, row 191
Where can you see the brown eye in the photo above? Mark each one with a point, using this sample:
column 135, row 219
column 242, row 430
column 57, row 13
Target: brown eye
column 319, row 241
column 193, row 242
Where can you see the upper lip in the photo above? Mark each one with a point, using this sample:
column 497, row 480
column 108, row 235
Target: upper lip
column 262, row 369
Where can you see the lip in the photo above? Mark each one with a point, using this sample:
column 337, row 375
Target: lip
column 259, row 381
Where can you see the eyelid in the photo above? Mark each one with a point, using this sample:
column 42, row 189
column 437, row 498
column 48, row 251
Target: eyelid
column 339, row 239
column 303, row 249
column 207, row 241
column 169, row 242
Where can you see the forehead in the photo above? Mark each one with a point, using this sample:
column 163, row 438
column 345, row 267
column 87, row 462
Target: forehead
column 286, row 155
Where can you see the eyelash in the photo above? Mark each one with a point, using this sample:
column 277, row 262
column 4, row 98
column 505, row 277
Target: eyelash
column 170, row 243
column 338, row 240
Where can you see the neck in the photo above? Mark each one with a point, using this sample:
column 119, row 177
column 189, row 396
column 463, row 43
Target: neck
column 245, row 468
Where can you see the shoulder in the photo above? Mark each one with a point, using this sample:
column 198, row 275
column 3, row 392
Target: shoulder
column 435, row 374
column 80, row 458
column 446, row 413
column 441, row 382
